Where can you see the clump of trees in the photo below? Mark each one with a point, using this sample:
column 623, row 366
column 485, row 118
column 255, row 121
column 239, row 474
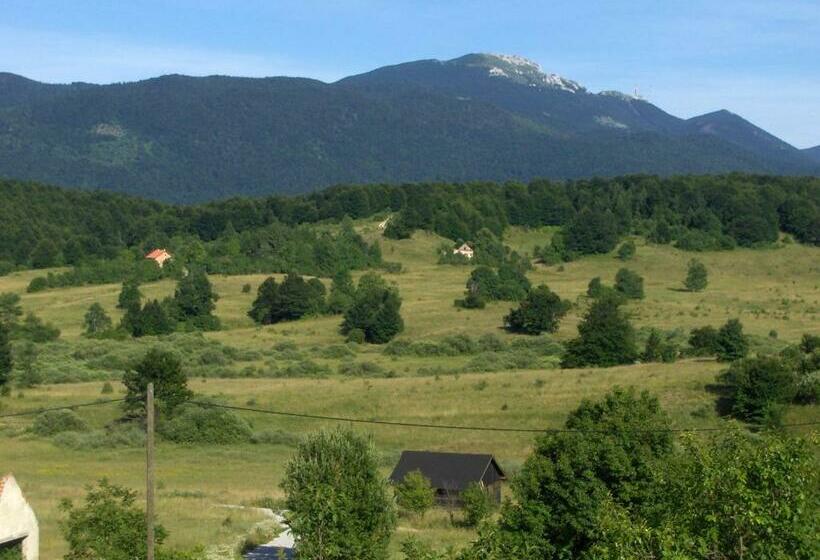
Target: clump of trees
column 727, row 343
column 338, row 503
column 659, row 349
column 605, row 337
column 540, row 311
column 509, row 283
column 293, row 299
column 374, row 314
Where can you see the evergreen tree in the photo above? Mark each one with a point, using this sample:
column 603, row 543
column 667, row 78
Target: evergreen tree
column 266, row 295
column 194, row 296
column 96, row 320
column 540, row 312
column 375, row 310
column 704, row 341
column 164, row 370
column 629, row 283
column 153, row 320
column 6, row 358
column 591, row 231
column 732, row 344
column 696, row 276
column 288, row 301
column 130, row 296
column 606, row 337
column 595, row 287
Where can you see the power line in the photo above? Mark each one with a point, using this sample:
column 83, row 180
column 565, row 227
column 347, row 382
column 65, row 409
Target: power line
column 461, row 427
column 67, row 407
column 307, row 416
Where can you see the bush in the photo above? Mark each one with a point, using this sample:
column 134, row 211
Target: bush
column 193, row 424
column 53, row 422
column 361, row 369
column 356, row 336
column 759, row 389
column 107, row 388
column 696, row 276
column 414, row 493
column 276, row 437
column 539, row 312
column 375, row 310
column 35, row 330
column 475, row 504
column 704, row 341
column 338, row 504
column 120, row 436
column 246, row 288
column 627, row 250
column 629, row 283
column 731, row 343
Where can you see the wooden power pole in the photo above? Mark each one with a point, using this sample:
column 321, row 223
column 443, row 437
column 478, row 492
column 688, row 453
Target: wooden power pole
column 149, row 471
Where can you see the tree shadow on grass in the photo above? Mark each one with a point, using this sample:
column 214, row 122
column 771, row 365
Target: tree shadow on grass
column 723, row 401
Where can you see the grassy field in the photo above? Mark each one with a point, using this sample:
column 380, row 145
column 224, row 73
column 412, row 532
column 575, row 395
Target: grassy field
column 775, row 289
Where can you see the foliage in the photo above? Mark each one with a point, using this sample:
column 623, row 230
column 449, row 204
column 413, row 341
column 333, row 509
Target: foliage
column 164, row 370
column 109, row 525
column 485, row 284
column 375, row 310
column 130, row 296
column 629, row 283
column 35, row 330
column 704, row 341
column 591, row 231
column 195, row 424
column 732, row 344
column 338, row 503
column 414, row 494
column 627, row 250
column 696, row 276
column 342, row 292
column 10, row 308
column 288, row 301
column 759, row 388
column 539, row 312
column 96, row 320
column 569, row 476
column 195, row 301
column 605, row 338
column 26, row 360
column 475, row 503
column 54, row 422
column 6, row 356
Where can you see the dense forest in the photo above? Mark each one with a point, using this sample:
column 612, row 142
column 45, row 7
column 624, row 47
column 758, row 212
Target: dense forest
column 42, row 226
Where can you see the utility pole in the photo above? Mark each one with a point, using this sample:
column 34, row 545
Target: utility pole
column 149, row 471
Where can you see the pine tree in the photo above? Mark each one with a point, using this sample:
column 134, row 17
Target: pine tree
column 164, row 370
column 696, row 276
column 653, row 351
column 342, row 291
column 153, row 321
column 130, row 296
column 194, row 296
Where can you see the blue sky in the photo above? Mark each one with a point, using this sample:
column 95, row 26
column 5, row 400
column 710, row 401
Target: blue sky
column 760, row 59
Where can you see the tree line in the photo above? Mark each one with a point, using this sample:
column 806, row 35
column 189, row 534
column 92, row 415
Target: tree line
column 43, row 226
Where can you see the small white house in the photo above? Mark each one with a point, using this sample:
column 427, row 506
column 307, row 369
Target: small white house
column 18, row 524
column 465, row 250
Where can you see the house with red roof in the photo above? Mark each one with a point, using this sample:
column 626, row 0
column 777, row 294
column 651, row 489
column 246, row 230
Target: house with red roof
column 19, row 531
column 159, row 256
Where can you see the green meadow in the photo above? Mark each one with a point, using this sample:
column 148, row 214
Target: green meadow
column 305, row 366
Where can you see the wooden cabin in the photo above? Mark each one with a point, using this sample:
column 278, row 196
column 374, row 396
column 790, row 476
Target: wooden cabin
column 452, row 473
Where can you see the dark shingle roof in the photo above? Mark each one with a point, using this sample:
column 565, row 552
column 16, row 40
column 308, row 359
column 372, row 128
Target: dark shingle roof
column 453, row 471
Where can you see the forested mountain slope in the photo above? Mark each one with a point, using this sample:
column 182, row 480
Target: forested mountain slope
column 478, row 117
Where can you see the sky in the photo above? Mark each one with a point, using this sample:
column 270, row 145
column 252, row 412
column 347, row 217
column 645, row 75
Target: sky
column 757, row 58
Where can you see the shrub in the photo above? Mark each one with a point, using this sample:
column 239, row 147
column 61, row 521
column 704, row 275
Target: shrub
column 627, row 250
column 120, row 436
column 704, row 341
column 375, row 310
column 246, row 288
column 361, row 369
column 96, row 320
column 539, row 312
column 731, row 343
column 276, row 437
column 356, row 336
column 759, row 389
column 194, row 424
column 53, row 422
column 629, row 283
column 475, row 504
column 107, row 388
column 414, row 493
column 696, row 276
column 36, row 330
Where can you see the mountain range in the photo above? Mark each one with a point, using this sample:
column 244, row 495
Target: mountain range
column 478, row 117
